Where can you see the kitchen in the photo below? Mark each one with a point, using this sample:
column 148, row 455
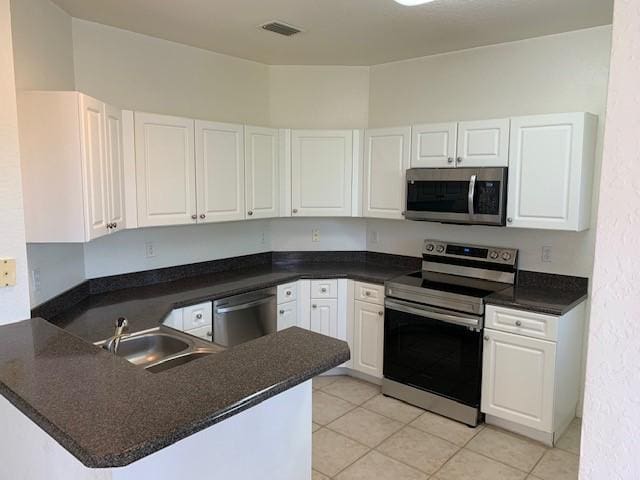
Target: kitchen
column 163, row 183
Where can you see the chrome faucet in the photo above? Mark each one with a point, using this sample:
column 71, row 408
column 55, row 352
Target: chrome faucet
column 114, row 342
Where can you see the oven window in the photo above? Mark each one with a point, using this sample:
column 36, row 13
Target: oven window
column 439, row 196
column 432, row 355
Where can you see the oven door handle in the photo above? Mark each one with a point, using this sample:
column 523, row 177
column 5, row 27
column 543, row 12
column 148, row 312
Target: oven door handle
column 428, row 313
column 472, row 193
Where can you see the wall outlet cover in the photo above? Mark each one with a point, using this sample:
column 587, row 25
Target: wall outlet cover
column 315, row 235
column 35, row 279
column 546, row 254
column 7, row 272
column 149, row 249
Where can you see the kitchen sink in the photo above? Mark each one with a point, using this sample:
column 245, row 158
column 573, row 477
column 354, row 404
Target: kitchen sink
column 160, row 348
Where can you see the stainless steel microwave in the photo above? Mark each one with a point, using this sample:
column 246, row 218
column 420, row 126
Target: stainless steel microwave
column 457, row 195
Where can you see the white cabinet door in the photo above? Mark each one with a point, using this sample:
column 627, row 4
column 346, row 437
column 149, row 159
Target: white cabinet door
column 165, row 170
column 220, row 171
column 324, row 317
column 386, row 158
column 115, row 167
column 287, row 315
column 94, row 167
column 550, row 171
column 368, row 338
column 321, row 172
column 518, row 379
column 434, row 145
column 262, row 179
column 483, row 143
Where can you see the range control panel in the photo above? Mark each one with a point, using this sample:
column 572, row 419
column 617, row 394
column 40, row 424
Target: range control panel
column 501, row 255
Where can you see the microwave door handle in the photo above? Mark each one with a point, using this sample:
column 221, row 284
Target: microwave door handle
column 472, row 192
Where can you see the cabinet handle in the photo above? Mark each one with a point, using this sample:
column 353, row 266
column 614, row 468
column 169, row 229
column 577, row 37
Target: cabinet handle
column 209, row 334
column 199, row 316
column 314, row 306
column 367, row 294
column 281, row 312
column 509, row 220
column 381, row 313
column 288, row 293
column 323, row 290
column 459, row 160
column 203, row 216
column 249, row 213
column 450, row 160
column 403, row 213
column 518, row 323
column 486, row 338
column 193, row 217
column 295, row 210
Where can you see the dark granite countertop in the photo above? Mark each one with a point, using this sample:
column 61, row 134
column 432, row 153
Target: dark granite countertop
column 145, row 307
column 109, row 413
column 542, row 293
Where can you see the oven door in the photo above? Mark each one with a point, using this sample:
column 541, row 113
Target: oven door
column 457, row 195
column 435, row 350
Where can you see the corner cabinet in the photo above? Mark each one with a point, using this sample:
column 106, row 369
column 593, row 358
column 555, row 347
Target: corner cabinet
column 551, row 171
column 386, row 158
column 262, row 172
column 368, row 338
column 321, row 172
column 72, row 166
column 531, row 370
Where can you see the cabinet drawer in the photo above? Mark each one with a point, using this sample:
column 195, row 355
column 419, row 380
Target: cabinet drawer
column 324, row 289
column 197, row 316
column 206, row 333
column 287, row 292
column 366, row 292
column 522, row 322
column 287, row 315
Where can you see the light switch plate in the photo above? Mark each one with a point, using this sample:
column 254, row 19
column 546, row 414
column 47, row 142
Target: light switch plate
column 7, row 272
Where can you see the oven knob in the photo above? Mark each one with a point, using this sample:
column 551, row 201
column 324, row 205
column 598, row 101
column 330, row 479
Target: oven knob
column 430, row 247
column 493, row 255
column 506, row 256
column 440, row 248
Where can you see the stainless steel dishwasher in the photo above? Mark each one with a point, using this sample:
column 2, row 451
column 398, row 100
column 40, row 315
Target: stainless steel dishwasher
column 245, row 317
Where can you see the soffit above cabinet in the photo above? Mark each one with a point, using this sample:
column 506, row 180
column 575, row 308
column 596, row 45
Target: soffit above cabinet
column 335, row 32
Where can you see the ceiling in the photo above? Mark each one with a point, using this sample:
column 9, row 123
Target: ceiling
column 342, row 32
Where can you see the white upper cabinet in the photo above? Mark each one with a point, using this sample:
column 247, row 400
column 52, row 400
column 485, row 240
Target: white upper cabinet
column 165, row 170
column 551, row 171
column 386, row 158
column 115, row 168
column 434, row 145
column 219, row 171
column 71, row 160
column 262, row 181
column 321, row 172
column 94, row 166
column 483, row 143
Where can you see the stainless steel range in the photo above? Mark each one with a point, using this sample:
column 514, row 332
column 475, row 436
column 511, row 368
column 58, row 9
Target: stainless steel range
column 433, row 327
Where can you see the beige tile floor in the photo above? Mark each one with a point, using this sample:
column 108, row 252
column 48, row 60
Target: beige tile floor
column 358, row 434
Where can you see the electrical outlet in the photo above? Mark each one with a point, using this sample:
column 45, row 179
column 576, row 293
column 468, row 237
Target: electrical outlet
column 546, row 254
column 149, row 249
column 315, row 235
column 373, row 236
column 7, row 272
column 35, row 279
column 263, row 238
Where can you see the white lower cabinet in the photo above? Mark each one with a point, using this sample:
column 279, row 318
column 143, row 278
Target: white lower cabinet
column 287, row 315
column 518, row 379
column 368, row 338
column 531, row 376
column 324, row 316
column 195, row 320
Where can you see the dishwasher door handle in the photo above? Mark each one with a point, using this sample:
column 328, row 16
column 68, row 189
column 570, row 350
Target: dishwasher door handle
column 244, row 306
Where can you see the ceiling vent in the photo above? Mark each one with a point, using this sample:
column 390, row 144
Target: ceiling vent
column 281, row 28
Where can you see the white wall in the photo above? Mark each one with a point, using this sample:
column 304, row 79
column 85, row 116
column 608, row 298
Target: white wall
column 319, row 96
column 60, row 266
column 139, row 72
column 610, row 440
column 556, row 73
column 125, row 251
column 42, row 46
column 295, row 234
column 14, row 301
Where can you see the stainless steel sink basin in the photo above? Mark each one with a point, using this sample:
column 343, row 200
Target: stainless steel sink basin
column 161, row 348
